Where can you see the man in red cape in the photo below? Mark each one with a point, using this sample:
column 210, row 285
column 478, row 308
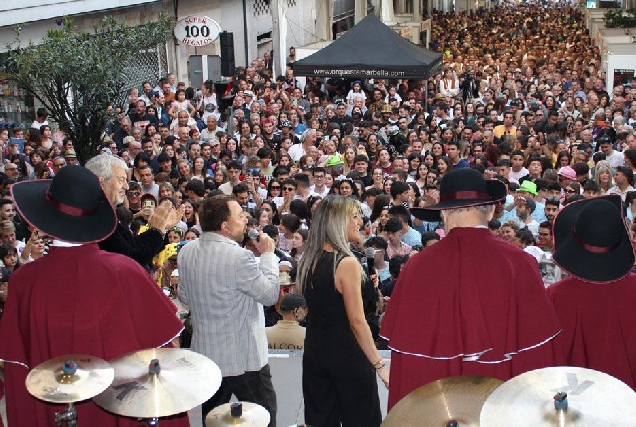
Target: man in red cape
column 471, row 304
column 77, row 299
column 596, row 303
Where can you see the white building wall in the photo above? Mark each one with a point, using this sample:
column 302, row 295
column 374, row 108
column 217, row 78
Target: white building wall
column 34, row 31
column 14, row 12
column 37, row 16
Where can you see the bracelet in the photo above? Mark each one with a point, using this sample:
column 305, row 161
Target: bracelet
column 379, row 365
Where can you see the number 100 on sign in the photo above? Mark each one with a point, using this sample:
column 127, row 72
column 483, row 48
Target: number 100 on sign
column 197, row 31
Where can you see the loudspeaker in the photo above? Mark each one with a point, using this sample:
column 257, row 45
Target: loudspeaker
column 227, row 53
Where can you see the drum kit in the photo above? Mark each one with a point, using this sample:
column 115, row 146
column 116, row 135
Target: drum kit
column 155, row 383
column 244, row 413
column 561, row 396
column 146, row 384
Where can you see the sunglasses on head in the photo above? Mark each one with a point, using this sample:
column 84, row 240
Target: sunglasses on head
column 177, row 230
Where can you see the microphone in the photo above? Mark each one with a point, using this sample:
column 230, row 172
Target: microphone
column 369, row 254
column 255, row 235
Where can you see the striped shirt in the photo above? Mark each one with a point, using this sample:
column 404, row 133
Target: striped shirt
column 226, row 289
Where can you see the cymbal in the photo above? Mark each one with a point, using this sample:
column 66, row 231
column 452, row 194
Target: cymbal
column 252, row 415
column 439, row 402
column 159, row 382
column 70, row 378
column 593, row 399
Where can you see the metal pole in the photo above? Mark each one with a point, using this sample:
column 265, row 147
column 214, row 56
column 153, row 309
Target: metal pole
column 278, row 65
column 245, row 36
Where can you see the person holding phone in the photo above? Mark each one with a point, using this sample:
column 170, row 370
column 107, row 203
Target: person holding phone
column 252, row 181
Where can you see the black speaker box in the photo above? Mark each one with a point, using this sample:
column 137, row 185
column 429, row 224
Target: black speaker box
column 227, row 53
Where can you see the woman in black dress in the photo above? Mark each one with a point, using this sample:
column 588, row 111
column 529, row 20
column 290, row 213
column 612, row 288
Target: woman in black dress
column 340, row 360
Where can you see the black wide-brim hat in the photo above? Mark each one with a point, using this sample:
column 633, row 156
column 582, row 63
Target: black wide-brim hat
column 71, row 207
column 591, row 240
column 461, row 188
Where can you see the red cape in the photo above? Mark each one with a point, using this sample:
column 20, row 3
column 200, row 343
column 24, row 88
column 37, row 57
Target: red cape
column 599, row 325
column 79, row 300
column 467, row 306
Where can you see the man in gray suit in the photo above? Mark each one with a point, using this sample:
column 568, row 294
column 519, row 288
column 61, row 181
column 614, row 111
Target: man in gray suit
column 226, row 289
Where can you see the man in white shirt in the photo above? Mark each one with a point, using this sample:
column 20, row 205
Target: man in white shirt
column 234, row 170
column 212, row 128
column 614, row 157
column 525, row 207
column 40, row 118
column 517, row 170
column 148, row 184
column 624, row 180
column 319, row 186
column 308, row 138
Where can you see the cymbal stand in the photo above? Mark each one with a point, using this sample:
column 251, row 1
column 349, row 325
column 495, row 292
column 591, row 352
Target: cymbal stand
column 69, row 416
column 153, row 368
column 561, row 406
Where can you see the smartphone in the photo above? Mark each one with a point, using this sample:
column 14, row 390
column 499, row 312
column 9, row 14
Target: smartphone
column 147, row 204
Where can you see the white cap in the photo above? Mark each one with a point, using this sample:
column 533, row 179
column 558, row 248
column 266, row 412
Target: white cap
column 175, row 273
column 285, row 264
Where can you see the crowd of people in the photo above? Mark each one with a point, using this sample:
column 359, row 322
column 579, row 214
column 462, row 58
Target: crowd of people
column 521, row 99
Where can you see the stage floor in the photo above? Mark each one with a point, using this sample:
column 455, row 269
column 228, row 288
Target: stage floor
column 287, row 376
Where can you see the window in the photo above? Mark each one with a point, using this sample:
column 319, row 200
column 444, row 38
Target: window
column 403, row 7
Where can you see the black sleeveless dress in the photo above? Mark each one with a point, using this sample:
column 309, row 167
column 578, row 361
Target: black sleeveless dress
column 339, row 383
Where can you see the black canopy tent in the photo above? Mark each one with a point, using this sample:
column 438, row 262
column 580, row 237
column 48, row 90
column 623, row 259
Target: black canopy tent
column 370, row 50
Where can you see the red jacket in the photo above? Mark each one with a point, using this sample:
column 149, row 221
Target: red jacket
column 471, row 304
column 79, row 300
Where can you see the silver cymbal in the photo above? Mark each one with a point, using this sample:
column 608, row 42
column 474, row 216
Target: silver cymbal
column 593, row 399
column 252, row 415
column 438, row 403
column 159, row 382
column 70, row 378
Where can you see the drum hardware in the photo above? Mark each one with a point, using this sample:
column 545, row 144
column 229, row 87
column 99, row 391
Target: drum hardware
column 69, row 379
column 584, row 397
column 238, row 413
column 159, row 382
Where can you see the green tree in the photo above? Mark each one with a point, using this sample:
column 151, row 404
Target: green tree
column 620, row 18
column 77, row 74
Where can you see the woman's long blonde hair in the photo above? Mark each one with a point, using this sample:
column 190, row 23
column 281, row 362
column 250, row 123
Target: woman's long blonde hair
column 328, row 225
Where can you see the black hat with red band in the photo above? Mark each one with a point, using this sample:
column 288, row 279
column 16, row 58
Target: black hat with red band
column 71, row 207
column 461, row 188
column 591, row 240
